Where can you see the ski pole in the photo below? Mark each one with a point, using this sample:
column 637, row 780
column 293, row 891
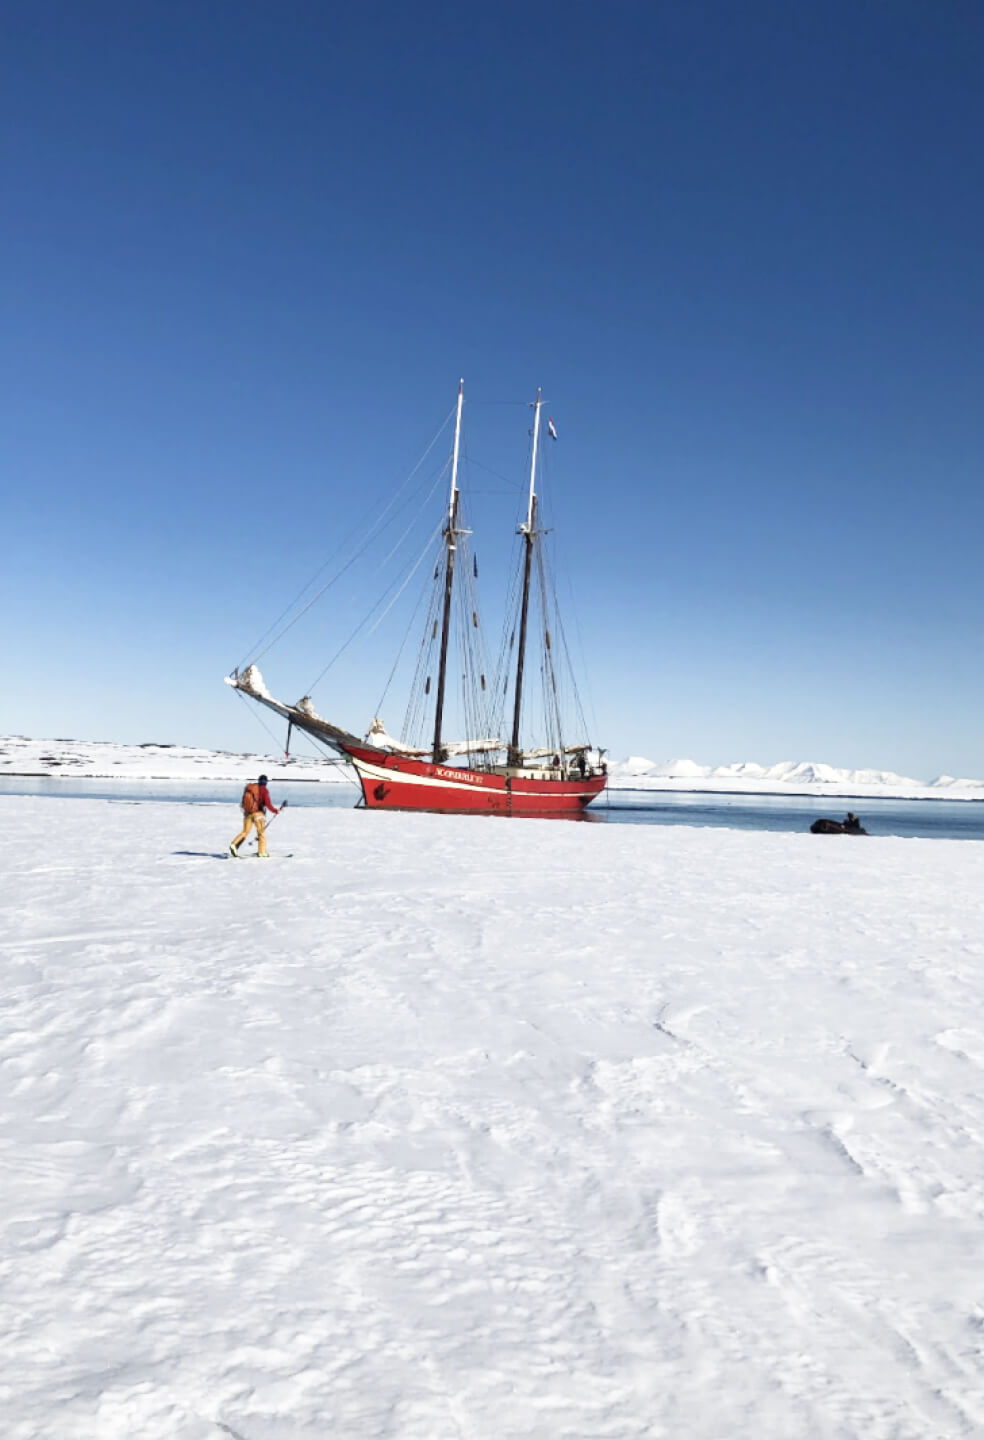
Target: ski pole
column 283, row 806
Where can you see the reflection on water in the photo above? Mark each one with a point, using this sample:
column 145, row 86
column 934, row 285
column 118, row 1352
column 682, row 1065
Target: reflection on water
column 929, row 819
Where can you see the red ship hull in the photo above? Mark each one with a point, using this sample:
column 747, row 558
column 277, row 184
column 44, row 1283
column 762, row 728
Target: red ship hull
column 399, row 782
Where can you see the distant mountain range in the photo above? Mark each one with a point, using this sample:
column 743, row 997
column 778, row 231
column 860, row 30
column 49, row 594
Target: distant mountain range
column 789, row 775
column 81, row 759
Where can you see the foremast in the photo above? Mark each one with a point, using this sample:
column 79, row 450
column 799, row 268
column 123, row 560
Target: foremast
column 528, row 531
column 450, row 541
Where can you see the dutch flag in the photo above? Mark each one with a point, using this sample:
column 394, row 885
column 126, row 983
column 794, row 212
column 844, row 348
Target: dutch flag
column 551, row 429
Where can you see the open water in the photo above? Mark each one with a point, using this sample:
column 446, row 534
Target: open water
column 927, row 819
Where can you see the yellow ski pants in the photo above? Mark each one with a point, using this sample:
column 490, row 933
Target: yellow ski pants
column 259, row 820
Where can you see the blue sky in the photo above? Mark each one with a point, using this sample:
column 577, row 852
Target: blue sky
column 248, row 250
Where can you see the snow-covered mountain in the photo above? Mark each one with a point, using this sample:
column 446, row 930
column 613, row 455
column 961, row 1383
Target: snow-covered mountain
column 81, row 759
column 788, row 776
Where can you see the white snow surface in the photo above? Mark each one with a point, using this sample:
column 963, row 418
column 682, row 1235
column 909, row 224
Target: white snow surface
column 108, row 760
column 451, row 1127
column 81, row 759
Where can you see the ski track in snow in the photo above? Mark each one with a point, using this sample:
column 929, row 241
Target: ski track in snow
column 456, row 1127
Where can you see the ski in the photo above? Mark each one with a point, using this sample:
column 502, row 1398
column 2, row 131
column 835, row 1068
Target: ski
column 254, row 856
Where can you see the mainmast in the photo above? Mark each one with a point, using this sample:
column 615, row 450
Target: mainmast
column 450, row 534
column 528, row 531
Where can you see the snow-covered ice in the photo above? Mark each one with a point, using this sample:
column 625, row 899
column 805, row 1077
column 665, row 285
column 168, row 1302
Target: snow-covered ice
column 452, row 1127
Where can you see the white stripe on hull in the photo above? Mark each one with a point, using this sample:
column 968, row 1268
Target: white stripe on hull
column 407, row 777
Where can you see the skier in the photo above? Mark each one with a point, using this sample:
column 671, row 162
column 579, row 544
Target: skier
column 256, row 802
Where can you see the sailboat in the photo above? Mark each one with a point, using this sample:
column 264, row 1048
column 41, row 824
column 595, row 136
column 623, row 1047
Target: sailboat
column 486, row 775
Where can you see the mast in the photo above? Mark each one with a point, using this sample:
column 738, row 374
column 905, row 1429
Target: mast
column 528, row 531
column 450, row 532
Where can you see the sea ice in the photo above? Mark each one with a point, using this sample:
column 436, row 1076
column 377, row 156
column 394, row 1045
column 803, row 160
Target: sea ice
column 463, row 1127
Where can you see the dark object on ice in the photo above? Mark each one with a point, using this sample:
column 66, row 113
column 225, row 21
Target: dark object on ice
column 849, row 826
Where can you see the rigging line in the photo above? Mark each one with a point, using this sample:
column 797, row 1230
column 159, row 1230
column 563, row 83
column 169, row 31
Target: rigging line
column 481, row 647
column 415, row 499
column 375, row 606
column 593, row 728
column 387, row 558
column 259, row 719
column 335, row 761
column 413, row 720
column 399, row 654
column 478, row 647
column 347, row 774
column 328, row 757
column 503, row 664
column 423, row 555
column 567, row 653
column 370, row 537
column 412, row 731
column 324, row 756
column 340, row 548
column 558, row 674
column 327, row 586
column 550, row 594
column 514, row 485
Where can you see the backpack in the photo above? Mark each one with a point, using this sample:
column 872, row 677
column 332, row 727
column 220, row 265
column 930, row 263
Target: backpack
column 251, row 799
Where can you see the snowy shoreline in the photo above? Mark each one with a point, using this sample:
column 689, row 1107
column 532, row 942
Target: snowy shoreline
column 25, row 758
